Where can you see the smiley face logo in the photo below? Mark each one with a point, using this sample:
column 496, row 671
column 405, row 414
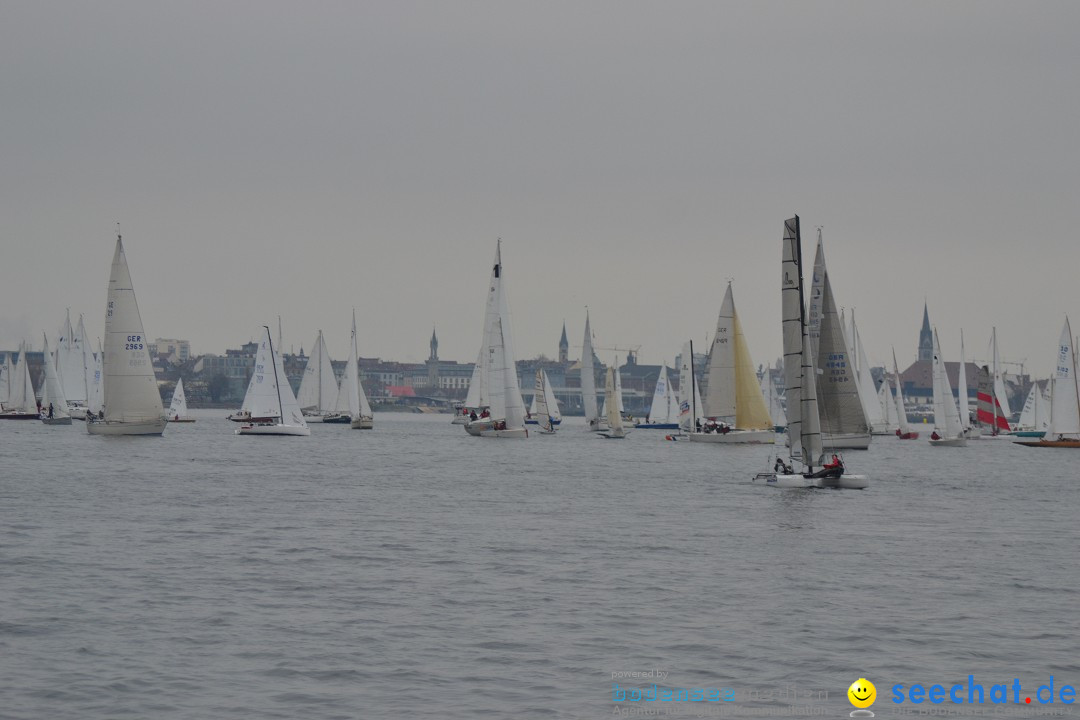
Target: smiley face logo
column 862, row 693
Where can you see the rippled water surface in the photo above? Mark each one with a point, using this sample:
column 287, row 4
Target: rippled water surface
column 413, row 571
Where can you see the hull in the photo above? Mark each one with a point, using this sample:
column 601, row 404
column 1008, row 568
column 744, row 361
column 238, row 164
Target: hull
column 755, row 437
column 657, row 426
column 949, row 442
column 974, row 433
column 531, row 421
column 314, row 418
column 608, row 435
column 798, row 480
column 56, row 420
column 19, row 416
column 273, row 430
column 1051, row 443
column 364, row 423
column 245, row 418
column 598, row 425
column 182, row 420
column 106, row 427
column 476, row 427
column 516, row 433
column 460, row 420
column 907, row 435
column 336, row 420
column 1029, row 433
column 846, row 441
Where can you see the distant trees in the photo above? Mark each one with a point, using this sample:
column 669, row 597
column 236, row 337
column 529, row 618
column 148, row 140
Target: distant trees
column 218, row 386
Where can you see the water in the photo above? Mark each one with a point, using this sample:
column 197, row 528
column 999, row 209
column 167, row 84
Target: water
column 413, row 571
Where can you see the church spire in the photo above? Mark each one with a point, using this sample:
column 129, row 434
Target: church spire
column 564, row 345
column 434, row 346
column 926, row 337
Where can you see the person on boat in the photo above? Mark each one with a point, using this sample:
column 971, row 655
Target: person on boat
column 781, row 467
column 472, row 416
column 50, row 409
column 485, row 413
column 836, row 463
column 934, row 435
column 698, row 424
column 646, row 418
column 723, row 428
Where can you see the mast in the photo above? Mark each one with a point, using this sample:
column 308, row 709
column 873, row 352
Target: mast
column 693, row 392
column 273, row 361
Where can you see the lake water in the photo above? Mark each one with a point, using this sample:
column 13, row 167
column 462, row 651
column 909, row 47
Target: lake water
column 413, row 571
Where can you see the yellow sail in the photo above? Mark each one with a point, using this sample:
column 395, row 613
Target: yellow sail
column 751, row 413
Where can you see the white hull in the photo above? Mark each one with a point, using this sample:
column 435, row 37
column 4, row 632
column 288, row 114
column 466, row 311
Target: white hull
column 756, row 437
column 66, row 420
column 313, row 419
column 460, row 420
column 973, row 433
column 476, row 427
column 106, row 427
column 598, row 425
column 949, row 442
column 517, row 433
column 798, row 480
column 846, row 441
column 364, row 423
column 273, row 430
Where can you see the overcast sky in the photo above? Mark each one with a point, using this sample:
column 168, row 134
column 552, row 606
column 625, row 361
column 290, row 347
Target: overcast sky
column 300, row 159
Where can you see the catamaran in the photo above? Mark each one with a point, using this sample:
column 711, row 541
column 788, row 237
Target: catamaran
column 270, row 397
column 948, row 431
column 178, row 412
column 132, row 401
column 804, row 421
column 318, row 388
column 1063, row 430
column 54, row 406
column 733, row 401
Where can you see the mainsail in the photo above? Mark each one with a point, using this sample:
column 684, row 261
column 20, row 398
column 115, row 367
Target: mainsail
column 802, row 403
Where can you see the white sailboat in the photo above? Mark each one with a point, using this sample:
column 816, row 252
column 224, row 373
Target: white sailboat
column 615, row 429
column 178, row 412
column 804, row 421
column 496, row 311
column 352, row 404
column 948, row 432
column 318, row 387
column 132, row 401
column 971, row 431
column 903, row 430
column 664, row 410
column 507, row 408
column 71, row 366
column 1035, row 415
column 5, row 377
column 733, row 403
column 22, row 399
column 54, row 406
column 843, row 420
column 888, row 407
column 1063, row 430
column 545, row 408
column 872, row 409
column 270, row 397
column 474, row 400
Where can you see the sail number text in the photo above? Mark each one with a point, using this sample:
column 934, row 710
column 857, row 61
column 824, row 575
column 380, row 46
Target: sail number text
column 134, row 342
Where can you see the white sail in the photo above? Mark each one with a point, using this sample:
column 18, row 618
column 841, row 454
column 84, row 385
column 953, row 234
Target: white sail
column 550, row 400
column 588, row 376
column 946, row 415
column 474, row 398
column 540, row 408
column 1064, row 391
column 901, row 409
column 131, row 392
column 71, row 363
column 95, row 380
column 999, row 380
column 720, row 394
column 17, row 397
column 867, row 393
column 506, row 403
column 618, row 389
column 664, row 407
column 838, row 397
column 178, row 407
column 690, row 405
column 962, row 389
column 888, row 407
column 803, row 418
column 53, row 393
column 5, row 381
column 773, row 399
column 318, row 388
column 1035, row 414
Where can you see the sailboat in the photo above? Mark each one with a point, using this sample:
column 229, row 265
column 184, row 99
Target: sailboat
column 843, row 420
column 178, row 412
column 352, row 404
column 733, row 402
column 270, row 397
column 507, row 408
column 54, row 406
column 1035, row 415
column 948, row 432
column 318, row 388
column 1064, row 427
column 615, row 429
column 971, row 430
column 588, row 380
column 690, row 405
column 804, row 421
column 474, row 399
column 544, row 408
column 22, row 400
column 664, row 411
column 903, row 430
column 72, row 366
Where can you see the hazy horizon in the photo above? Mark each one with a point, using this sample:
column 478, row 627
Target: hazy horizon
column 270, row 158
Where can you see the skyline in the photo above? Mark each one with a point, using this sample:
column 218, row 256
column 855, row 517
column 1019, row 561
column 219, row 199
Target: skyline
column 632, row 157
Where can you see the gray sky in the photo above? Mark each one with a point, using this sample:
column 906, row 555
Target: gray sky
column 302, row 158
